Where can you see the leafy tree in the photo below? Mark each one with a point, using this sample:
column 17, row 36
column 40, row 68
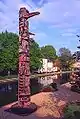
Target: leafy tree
column 57, row 63
column 35, row 56
column 8, row 51
column 48, row 52
column 66, row 53
column 65, row 57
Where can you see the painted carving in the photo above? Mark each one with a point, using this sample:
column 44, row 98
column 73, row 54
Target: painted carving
column 24, row 58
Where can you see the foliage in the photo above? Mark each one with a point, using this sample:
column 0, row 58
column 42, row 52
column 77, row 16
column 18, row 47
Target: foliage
column 57, row 63
column 8, row 51
column 35, row 56
column 65, row 52
column 65, row 57
column 69, row 111
column 48, row 52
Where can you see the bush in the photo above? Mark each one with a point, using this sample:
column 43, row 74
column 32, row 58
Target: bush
column 75, row 88
column 72, row 111
column 54, row 86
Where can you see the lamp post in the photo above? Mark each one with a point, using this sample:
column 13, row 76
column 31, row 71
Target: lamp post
column 24, row 105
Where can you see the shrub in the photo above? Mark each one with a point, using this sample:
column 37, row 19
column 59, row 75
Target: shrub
column 72, row 111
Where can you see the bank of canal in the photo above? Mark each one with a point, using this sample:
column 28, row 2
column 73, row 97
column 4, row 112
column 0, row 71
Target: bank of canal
column 8, row 91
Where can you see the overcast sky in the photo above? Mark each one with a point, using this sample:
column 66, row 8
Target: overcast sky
column 57, row 24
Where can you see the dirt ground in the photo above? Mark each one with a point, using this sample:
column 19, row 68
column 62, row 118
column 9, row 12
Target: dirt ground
column 50, row 104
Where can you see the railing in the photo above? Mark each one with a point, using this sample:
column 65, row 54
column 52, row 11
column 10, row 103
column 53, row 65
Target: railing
column 37, row 75
column 53, row 73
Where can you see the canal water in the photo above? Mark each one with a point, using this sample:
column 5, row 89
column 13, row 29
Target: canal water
column 8, row 91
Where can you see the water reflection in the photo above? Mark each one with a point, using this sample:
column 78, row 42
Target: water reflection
column 47, row 80
column 8, row 91
column 36, row 83
column 35, row 86
column 9, row 87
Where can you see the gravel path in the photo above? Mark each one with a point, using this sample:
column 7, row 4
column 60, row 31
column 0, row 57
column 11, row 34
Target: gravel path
column 50, row 105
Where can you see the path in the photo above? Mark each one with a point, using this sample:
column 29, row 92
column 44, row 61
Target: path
column 49, row 104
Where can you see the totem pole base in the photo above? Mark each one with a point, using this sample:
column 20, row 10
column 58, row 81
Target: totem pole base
column 22, row 111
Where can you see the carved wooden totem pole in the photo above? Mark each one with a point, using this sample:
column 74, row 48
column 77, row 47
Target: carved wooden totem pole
column 24, row 59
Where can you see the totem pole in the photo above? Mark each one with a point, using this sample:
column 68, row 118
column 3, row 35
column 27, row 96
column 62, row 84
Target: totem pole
column 24, row 59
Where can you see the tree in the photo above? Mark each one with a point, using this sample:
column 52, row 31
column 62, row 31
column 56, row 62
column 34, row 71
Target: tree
column 57, row 63
column 66, row 53
column 35, row 56
column 65, row 57
column 8, row 51
column 48, row 52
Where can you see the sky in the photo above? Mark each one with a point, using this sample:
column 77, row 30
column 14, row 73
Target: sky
column 57, row 25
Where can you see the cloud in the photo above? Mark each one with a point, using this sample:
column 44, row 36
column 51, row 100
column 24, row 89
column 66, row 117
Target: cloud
column 67, row 34
column 9, row 13
column 61, row 13
column 57, row 13
column 58, row 19
column 41, row 2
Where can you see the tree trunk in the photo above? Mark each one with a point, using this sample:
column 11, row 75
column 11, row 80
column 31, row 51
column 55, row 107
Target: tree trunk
column 8, row 72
